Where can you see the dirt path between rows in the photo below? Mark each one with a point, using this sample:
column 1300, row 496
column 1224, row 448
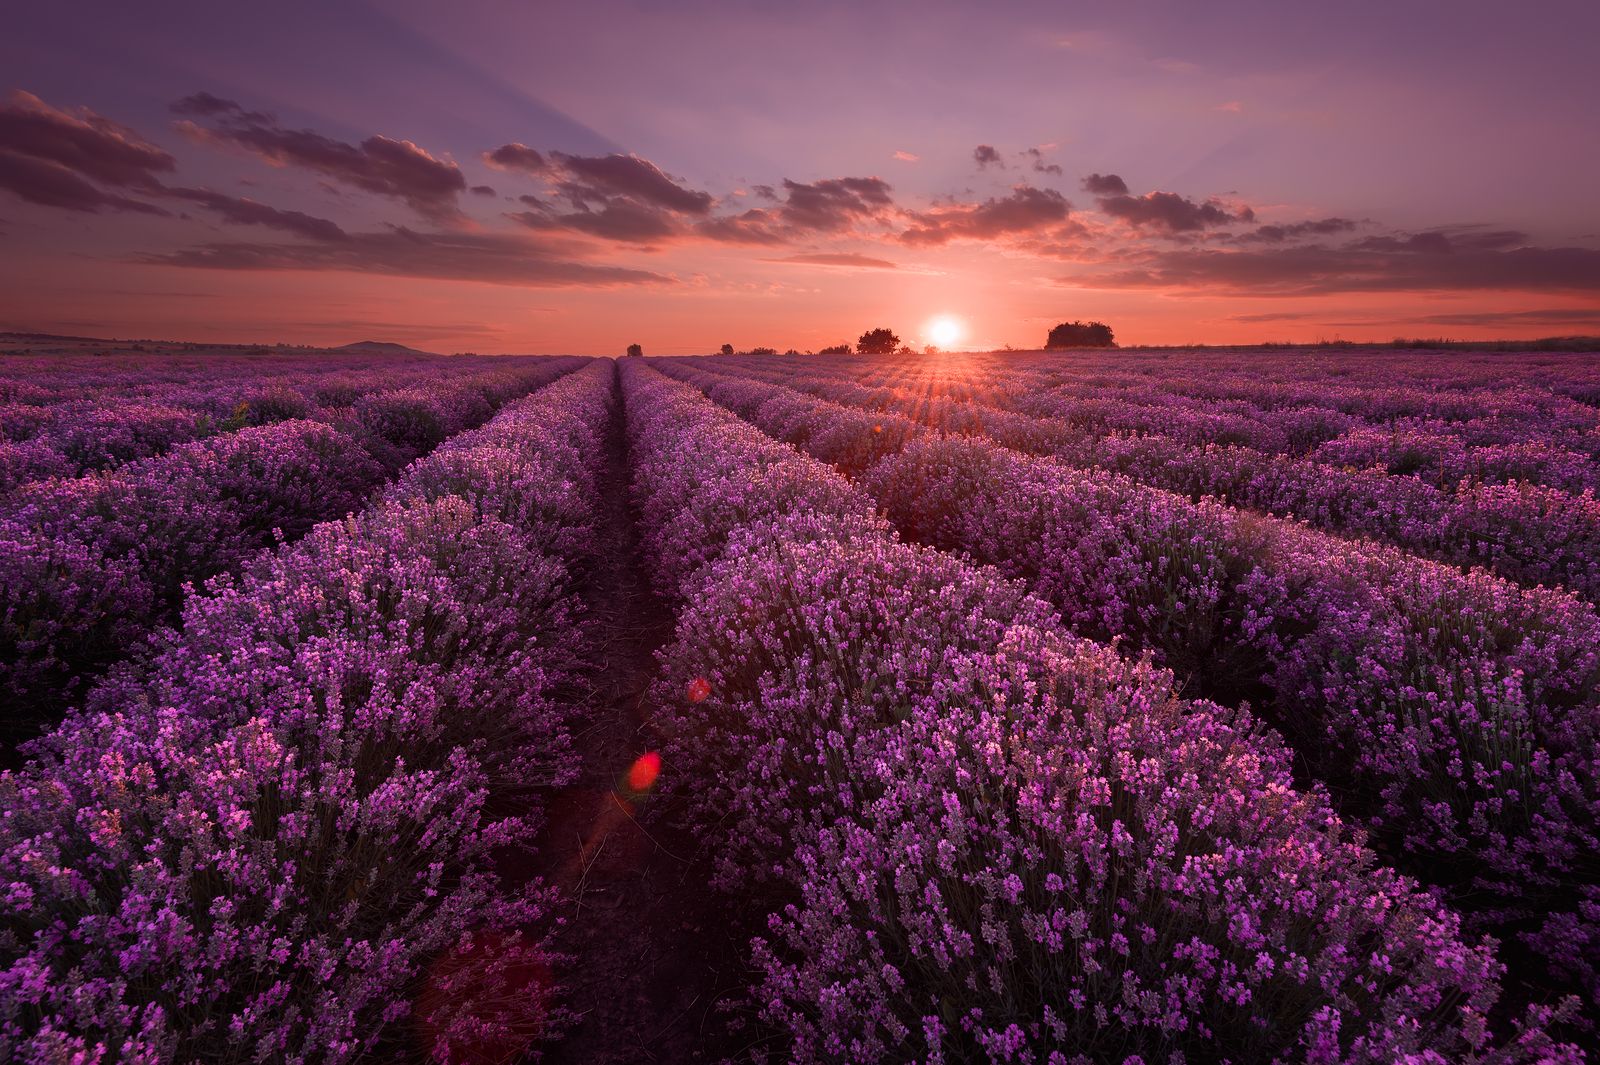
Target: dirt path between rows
column 655, row 954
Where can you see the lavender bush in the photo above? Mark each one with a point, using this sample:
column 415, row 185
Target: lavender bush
column 1458, row 714
column 999, row 842
column 100, row 560
column 278, row 836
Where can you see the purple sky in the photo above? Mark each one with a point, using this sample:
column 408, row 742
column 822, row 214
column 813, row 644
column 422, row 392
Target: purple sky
column 685, row 174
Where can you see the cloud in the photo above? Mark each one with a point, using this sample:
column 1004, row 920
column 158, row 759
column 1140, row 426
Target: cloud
column 618, row 219
column 756, row 226
column 1446, row 239
column 502, row 259
column 50, row 184
column 517, row 157
column 1546, row 316
column 1281, row 316
column 1277, row 234
column 397, row 169
column 834, row 204
column 1105, row 185
column 482, row 190
column 1364, row 266
column 806, row 209
column 48, row 156
column 205, row 105
column 57, row 158
column 1171, row 213
column 614, row 197
column 82, row 141
column 985, row 155
column 845, row 259
column 245, row 212
column 1040, row 166
column 1232, row 107
column 600, row 176
column 906, row 157
column 1025, row 210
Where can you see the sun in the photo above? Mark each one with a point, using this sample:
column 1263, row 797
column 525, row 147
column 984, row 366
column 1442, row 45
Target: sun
column 946, row 330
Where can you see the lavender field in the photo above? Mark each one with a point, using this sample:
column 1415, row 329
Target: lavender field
column 1133, row 707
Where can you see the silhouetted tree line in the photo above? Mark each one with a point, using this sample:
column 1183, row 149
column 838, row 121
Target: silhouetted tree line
column 1080, row 335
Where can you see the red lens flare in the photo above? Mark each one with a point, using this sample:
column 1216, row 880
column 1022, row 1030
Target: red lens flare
column 642, row 774
column 699, row 690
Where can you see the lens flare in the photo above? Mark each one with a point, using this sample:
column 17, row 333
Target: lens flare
column 699, row 690
column 644, row 771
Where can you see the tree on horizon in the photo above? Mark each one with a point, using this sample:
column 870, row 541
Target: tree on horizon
column 1080, row 335
column 877, row 342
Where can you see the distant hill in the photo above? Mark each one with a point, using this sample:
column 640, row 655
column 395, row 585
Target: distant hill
column 380, row 347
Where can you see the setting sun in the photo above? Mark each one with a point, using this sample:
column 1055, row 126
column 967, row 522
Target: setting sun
column 946, row 331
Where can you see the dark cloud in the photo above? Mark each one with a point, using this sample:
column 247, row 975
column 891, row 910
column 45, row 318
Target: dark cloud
column 482, row 190
column 986, row 155
column 1277, row 234
column 806, row 210
column 380, row 165
column 1105, row 185
column 50, row 184
column 82, row 141
column 1282, row 316
column 834, row 204
column 502, row 259
column 49, row 157
column 517, row 157
column 1169, row 212
column 60, row 159
column 1548, row 316
column 756, row 226
column 1025, row 210
column 618, row 219
column 1363, row 267
column 604, row 176
column 205, row 105
column 244, row 212
column 1040, row 166
column 838, row 259
column 1446, row 240
column 613, row 197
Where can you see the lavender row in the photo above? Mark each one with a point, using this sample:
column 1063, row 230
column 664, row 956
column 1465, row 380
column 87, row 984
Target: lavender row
column 277, row 840
column 979, row 838
column 43, row 380
column 1494, row 450
column 52, row 429
column 1494, row 437
column 1533, row 394
column 1529, row 533
column 1460, row 714
column 1539, row 393
column 89, row 565
column 1532, row 414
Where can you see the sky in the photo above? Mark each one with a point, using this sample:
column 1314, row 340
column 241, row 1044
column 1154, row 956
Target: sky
column 496, row 176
